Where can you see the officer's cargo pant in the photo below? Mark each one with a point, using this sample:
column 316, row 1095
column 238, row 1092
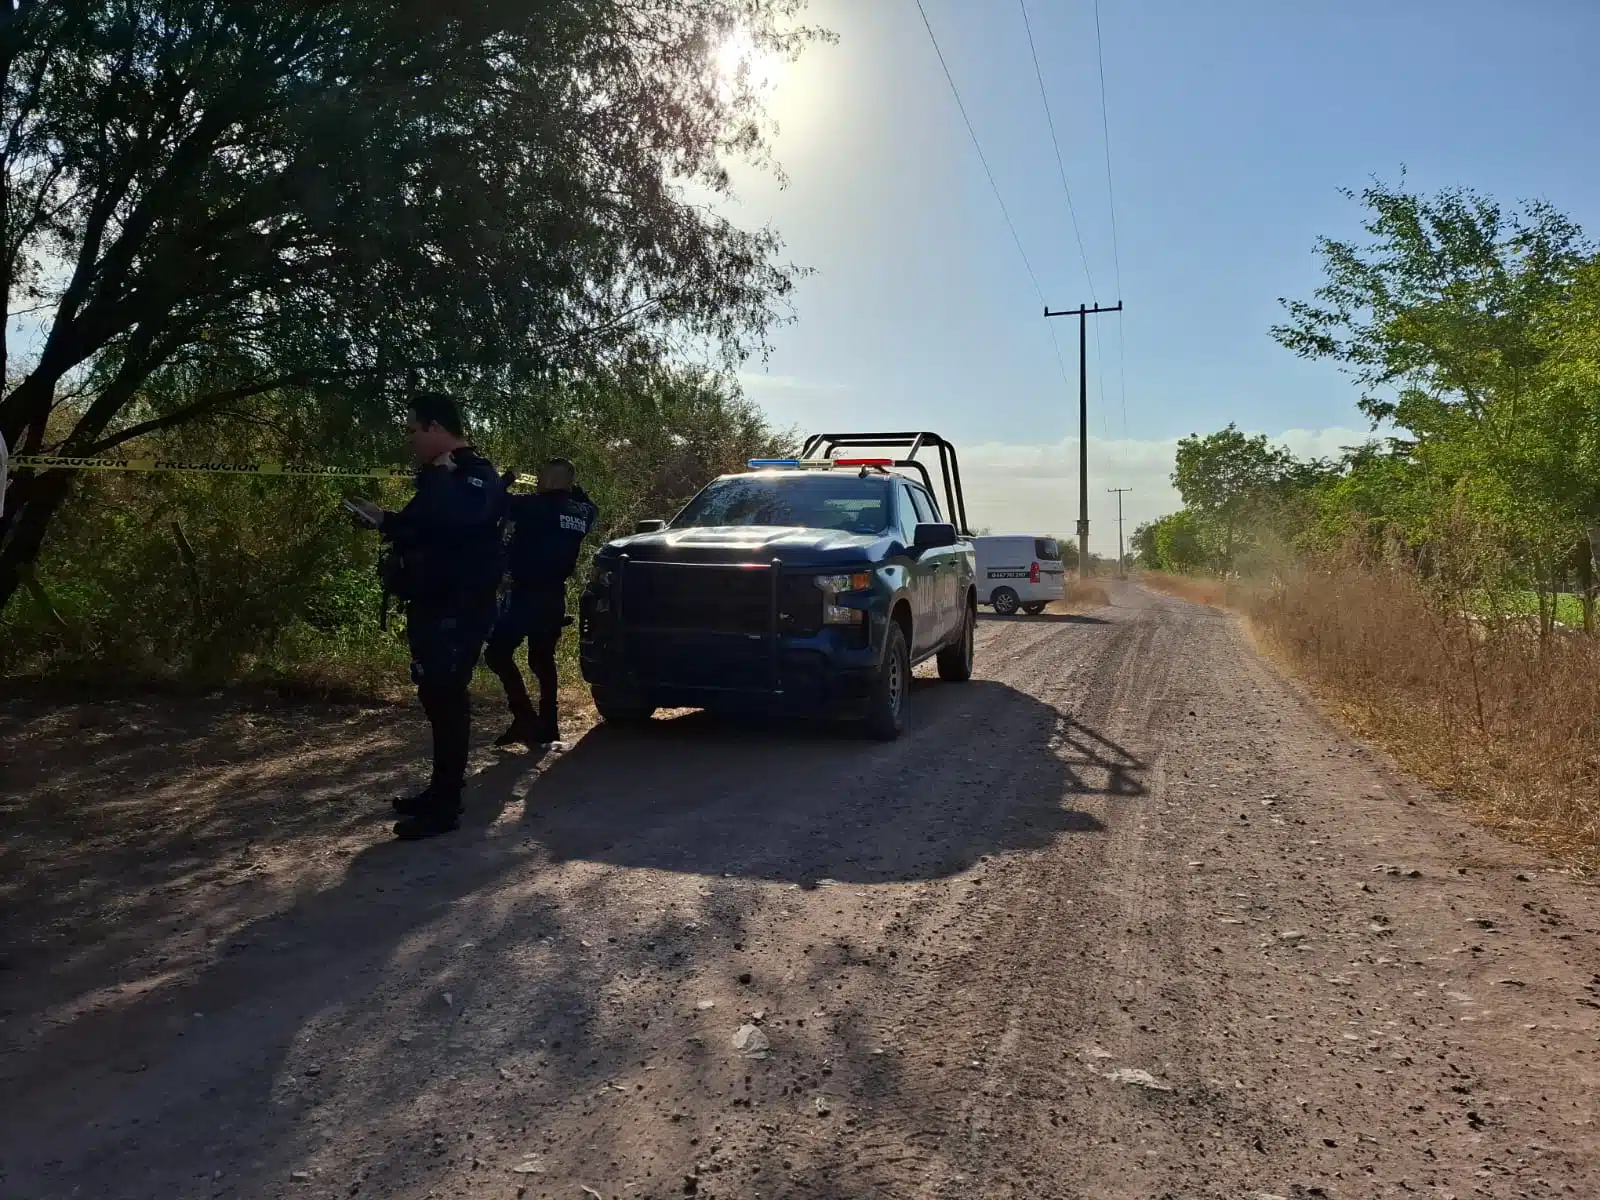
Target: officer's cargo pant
column 536, row 616
column 445, row 647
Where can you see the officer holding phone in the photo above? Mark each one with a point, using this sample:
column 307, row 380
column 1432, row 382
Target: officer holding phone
column 443, row 561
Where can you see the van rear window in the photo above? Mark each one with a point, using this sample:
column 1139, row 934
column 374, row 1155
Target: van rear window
column 1046, row 550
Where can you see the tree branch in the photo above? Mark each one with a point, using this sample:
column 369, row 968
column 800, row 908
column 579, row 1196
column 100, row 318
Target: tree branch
column 199, row 408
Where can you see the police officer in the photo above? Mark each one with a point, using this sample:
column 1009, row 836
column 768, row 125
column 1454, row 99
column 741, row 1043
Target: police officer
column 443, row 561
column 547, row 530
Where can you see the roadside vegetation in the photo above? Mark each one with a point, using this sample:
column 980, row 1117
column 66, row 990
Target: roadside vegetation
column 298, row 216
column 1437, row 583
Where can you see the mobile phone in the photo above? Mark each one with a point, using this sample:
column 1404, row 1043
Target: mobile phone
column 354, row 510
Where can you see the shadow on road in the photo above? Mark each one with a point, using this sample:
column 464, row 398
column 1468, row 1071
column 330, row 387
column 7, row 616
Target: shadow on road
column 984, row 769
column 312, row 999
column 1048, row 618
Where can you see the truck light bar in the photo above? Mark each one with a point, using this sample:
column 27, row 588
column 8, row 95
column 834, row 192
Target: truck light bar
column 797, row 463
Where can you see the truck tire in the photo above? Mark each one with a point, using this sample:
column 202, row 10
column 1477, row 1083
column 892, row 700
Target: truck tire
column 887, row 699
column 1005, row 602
column 621, row 710
column 955, row 660
column 1034, row 608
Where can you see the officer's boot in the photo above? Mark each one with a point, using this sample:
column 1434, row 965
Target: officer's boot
column 423, row 801
column 549, row 728
column 524, row 730
column 443, row 817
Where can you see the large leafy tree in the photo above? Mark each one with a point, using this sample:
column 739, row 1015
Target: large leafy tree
column 1454, row 315
column 1439, row 311
column 1179, row 542
column 203, row 202
column 1228, row 477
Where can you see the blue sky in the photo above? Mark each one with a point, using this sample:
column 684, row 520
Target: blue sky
column 1233, row 125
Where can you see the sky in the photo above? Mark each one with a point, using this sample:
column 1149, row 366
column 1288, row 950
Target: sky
column 1233, row 126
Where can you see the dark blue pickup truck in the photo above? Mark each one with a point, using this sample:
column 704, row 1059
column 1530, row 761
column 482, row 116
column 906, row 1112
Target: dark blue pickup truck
column 806, row 587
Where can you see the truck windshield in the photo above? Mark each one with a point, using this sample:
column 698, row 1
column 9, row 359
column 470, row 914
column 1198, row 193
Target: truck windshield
column 850, row 503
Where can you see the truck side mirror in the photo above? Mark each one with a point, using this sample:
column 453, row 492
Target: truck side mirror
column 935, row 535
column 651, row 526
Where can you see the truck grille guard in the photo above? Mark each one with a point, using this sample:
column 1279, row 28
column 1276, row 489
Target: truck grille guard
column 774, row 570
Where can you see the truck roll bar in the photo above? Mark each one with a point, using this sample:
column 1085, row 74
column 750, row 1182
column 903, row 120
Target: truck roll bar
column 823, row 445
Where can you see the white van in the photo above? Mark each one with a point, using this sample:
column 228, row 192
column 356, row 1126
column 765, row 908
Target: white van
column 1017, row 571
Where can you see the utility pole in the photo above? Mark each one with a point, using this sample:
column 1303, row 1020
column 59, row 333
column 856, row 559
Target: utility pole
column 1122, row 555
column 1083, row 313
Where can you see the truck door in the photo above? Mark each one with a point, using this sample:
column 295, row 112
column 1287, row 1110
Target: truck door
column 946, row 582
column 923, row 577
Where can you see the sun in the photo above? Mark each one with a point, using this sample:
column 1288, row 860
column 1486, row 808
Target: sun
column 740, row 63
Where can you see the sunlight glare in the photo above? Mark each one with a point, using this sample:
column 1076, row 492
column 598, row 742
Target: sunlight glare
column 739, row 61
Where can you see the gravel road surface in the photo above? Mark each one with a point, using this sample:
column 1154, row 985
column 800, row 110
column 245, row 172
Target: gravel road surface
column 1123, row 917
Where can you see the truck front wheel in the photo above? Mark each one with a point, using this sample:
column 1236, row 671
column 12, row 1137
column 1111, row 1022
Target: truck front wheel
column 621, row 709
column 1005, row 602
column 886, row 701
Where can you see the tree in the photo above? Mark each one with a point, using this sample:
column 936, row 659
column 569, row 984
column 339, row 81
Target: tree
column 1441, row 310
column 1473, row 329
column 1178, row 542
column 1142, row 546
column 208, row 202
column 1225, row 477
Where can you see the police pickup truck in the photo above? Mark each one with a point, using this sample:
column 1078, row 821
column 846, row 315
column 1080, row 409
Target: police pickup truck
column 806, row 587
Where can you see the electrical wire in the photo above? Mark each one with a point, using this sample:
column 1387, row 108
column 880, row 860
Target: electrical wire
column 994, row 186
column 978, row 146
column 1061, row 165
column 1111, row 202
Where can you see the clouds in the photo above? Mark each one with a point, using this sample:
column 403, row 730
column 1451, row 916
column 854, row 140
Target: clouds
column 760, row 384
column 1025, row 487
column 1033, row 488
column 1030, row 487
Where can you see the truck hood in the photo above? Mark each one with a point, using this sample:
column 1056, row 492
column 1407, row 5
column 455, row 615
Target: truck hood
column 801, row 548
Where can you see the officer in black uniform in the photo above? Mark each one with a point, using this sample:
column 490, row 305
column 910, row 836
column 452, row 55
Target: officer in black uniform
column 548, row 529
column 443, row 561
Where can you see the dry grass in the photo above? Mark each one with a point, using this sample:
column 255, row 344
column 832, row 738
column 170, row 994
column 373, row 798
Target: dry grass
column 1195, row 588
column 1082, row 595
column 1487, row 713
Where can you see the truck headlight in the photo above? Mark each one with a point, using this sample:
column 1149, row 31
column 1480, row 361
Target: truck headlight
column 840, row 584
column 599, row 589
column 833, row 614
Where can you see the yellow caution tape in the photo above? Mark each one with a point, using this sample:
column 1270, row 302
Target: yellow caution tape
column 54, row 462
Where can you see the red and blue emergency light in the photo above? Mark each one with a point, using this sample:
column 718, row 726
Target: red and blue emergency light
column 757, row 464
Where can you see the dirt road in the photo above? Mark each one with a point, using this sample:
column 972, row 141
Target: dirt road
column 1123, row 917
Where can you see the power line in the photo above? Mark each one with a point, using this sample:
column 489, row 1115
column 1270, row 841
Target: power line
column 995, row 187
column 1105, row 133
column 1055, row 141
column 978, row 146
column 1122, row 550
column 1072, row 212
column 1083, row 312
column 1111, row 202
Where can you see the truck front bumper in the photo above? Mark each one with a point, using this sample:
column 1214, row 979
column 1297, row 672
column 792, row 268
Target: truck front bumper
column 826, row 674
